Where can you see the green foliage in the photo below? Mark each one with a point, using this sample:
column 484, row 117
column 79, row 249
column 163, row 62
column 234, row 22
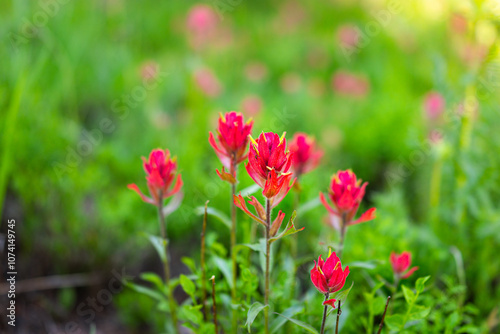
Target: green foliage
column 437, row 200
column 253, row 311
column 414, row 312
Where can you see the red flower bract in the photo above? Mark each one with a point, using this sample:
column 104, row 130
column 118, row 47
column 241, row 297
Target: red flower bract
column 232, row 136
column 306, row 155
column 328, row 276
column 268, row 165
column 160, row 174
column 400, row 264
column 346, row 193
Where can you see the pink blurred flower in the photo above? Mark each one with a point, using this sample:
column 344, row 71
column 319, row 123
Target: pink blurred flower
column 149, row 70
column 161, row 177
column 473, row 53
column 346, row 193
column 316, row 87
column 251, row 105
column 201, row 24
column 291, row 15
column 401, row 264
column 434, row 105
column 349, row 84
column 318, row 58
column 305, row 154
column 435, row 137
column 256, row 71
column 291, row 83
column 458, row 24
column 207, row 82
column 348, row 36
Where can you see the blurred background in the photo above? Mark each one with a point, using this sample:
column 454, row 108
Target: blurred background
column 405, row 93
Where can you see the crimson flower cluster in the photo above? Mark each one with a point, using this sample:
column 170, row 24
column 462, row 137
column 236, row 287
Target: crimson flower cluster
column 306, row 156
column 231, row 144
column 400, row 264
column 328, row 276
column 268, row 165
column 346, row 193
column 160, row 171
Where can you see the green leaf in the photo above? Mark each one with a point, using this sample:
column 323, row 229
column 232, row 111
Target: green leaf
column 252, row 313
column 299, row 323
column 145, row 291
column 342, row 295
column 173, row 204
column 155, row 279
column 364, row 264
column 289, row 229
column 189, row 262
column 280, row 321
column 378, row 305
column 250, row 190
column 191, row 313
column 420, row 284
column 216, row 213
column 187, row 285
column 409, row 295
column 225, row 268
column 159, row 244
column 419, row 312
column 309, row 205
column 256, row 247
column 395, row 321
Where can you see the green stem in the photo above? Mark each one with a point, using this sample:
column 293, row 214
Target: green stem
column 166, row 267
column 325, row 310
column 293, row 248
column 214, row 306
column 435, row 190
column 268, row 250
column 233, row 249
column 203, row 270
column 463, row 145
column 343, row 229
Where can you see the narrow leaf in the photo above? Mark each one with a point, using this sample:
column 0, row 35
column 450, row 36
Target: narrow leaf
column 289, row 229
column 145, row 291
column 299, row 323
column 280, row 321
column 253, row 311
column 155, row 279
column 250, row 190
column 174, row 204
column 225, row 268
column 159, row 244
column 216, row 213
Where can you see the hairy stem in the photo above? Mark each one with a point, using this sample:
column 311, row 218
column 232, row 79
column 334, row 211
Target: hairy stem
column 383, row 315
column 339, row 312
column 268, row 255
column 166, row 267
column 324, row 314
